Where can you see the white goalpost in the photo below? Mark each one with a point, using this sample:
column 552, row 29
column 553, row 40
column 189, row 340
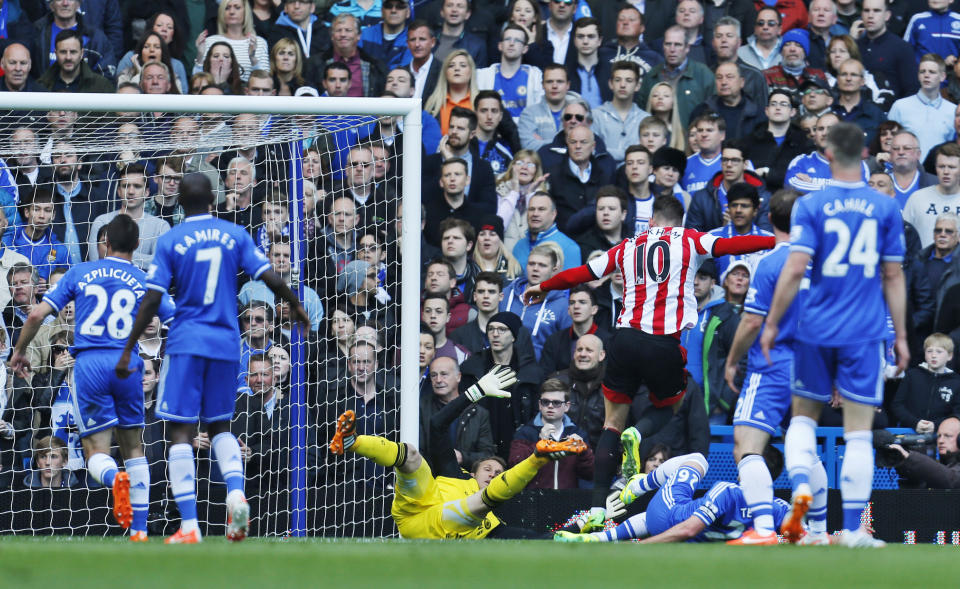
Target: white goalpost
column 345, row 169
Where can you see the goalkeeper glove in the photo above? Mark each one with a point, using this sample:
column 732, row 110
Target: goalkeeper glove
column 493, row 384
column 615, row 507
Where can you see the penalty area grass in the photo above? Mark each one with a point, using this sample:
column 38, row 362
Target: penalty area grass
column 79, row 563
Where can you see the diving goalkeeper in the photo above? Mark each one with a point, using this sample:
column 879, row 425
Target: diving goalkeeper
column 442, row 507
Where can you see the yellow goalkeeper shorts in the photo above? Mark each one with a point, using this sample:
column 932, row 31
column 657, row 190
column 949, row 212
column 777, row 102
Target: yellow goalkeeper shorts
column 419, row 501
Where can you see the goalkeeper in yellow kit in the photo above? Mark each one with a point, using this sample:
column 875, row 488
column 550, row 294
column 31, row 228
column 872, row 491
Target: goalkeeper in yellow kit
column 441, row 507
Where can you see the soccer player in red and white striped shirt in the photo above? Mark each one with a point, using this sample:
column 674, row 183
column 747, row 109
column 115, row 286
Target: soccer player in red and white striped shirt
column 658, row 267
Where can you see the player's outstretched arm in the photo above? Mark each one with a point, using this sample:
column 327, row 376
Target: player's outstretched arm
column 747, row 330
column 679, row 533
column 895, row 293
column 148, row 308
column 562, row 281
column 18, row 360
column 742, row 244
column 787, row 286
column 280, row 288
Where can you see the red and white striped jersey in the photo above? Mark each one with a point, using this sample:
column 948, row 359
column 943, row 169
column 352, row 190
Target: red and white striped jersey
column 658, row 268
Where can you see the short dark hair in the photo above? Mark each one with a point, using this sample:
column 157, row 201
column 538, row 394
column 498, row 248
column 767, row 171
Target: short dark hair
column 66, row 35
column 781, row 208
column 196, row 193
column 337, row 65
column 710, row 117
column 625, row 65
column 614, row 191
column 456, row 223
column 628, row 6
column 465, row 113
column 669, row 208
column 782, row 92
column 123, row 234
column 486, row 95
column 442, row 262
column 490, row 277
column 134, row 170
column 456, row 160
column 586, row 21
column 744, row 191
column 555, row 385
column 419, row 23
column 733, row 144
column 437, row 297
column 639, row 148
column 845, row 141
column 510, row 26
column 586, row 289
column 555, row 66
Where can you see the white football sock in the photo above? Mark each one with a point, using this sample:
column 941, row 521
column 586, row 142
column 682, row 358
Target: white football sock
column 800, row 445
column 99, row 466
column 817, row 516
column 856, row 475
column 757, row 487
column 182, row 482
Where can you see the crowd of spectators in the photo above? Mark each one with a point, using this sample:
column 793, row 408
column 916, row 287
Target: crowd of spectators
column 549, row 129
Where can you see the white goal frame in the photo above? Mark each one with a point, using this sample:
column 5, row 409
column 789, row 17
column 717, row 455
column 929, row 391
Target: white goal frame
column 408, row 108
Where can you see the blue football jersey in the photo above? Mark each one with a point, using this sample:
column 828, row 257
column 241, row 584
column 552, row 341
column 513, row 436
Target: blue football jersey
column 817, row 169
column 107, row 294
column 513, row 90
column 201, row 258
column 849, row 230
column 759, row 296
column 723, row 262
column 699, row 171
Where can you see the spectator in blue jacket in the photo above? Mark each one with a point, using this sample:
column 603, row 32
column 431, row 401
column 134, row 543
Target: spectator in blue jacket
column 935, row 31
column 300, row 24
column 542, row 228
column 548, row 316
column 387, row 41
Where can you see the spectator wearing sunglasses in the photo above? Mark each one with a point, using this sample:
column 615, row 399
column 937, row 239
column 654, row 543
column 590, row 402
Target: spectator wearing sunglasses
column 762, row 50
column 552, row 423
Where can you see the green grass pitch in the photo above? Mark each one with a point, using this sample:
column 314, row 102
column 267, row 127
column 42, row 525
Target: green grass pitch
column 80, row 563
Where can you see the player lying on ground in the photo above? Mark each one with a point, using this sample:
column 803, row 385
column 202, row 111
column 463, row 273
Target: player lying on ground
column 439, row 507
column 102, row 401
column 673, row 515
column 658, row 268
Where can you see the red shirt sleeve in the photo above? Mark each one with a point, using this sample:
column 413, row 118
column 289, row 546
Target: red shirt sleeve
column 568, row 279
column 742, row 244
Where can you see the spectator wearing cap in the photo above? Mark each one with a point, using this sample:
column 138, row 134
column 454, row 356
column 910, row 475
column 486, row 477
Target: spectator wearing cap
column 506, row 414
column 711, row 206
column 358, row 282
column 735, row 280
column 762, row 50
column 716, row 319
column 740, row 112
column 927, row 113
column 669, row 165
column 850, row 105
column 774, row 144
column 883, row 51
column 692, row 80
column 491, row 253
column 793, row 70
column 815, row 97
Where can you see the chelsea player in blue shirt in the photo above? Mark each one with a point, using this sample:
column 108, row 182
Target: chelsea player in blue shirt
column 765, row 398
column 854, row 237
column 107, row 293
column 201, row 258
column 673, row 515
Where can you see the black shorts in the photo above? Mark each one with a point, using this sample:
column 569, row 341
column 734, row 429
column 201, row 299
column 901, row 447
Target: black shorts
column 636, row 358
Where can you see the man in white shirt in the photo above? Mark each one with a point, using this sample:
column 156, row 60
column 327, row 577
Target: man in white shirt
column 926, row 204
column 926, row 113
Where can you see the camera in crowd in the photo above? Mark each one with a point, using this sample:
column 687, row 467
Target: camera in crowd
column 889, row 457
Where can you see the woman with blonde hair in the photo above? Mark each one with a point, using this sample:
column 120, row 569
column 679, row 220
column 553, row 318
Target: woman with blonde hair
column 522, row 178
column 456, row 86
column 490, row 254
column 235, row 27
column 286, row 67
column 662, row 104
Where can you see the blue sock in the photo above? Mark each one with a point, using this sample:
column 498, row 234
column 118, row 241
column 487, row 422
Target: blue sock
column 182, row 474
column 139, row 473
column 227, row 451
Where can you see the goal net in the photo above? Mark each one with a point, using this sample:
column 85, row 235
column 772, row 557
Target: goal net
column 319, row 183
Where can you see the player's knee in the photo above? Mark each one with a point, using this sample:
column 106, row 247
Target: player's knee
column 698, row 461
